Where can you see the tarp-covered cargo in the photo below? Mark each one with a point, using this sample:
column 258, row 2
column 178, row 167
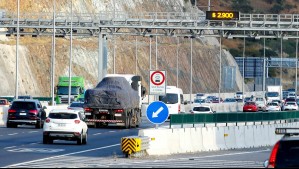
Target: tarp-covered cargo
column 112, row 93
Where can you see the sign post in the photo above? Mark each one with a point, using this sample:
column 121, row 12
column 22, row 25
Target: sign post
column 157, row 113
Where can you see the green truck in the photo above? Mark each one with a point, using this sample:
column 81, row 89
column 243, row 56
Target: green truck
column 62, row 89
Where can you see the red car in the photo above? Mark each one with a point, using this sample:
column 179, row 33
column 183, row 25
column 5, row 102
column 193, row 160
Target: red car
column 250, row 107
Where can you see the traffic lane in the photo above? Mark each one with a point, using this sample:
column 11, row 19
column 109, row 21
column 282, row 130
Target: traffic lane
column 18, row 136
column 27, row 152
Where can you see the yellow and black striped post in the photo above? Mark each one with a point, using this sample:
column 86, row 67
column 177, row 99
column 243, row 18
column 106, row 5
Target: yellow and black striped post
column 130, row 145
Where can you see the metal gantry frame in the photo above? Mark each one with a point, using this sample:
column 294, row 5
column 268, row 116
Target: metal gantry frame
column 153, row 23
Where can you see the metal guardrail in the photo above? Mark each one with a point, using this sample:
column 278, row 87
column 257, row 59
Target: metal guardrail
column 239, row 117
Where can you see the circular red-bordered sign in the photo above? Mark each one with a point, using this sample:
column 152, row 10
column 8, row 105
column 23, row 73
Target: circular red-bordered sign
column 162, row 81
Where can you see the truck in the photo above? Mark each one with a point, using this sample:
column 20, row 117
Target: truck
column 116, row 100
column 273, row 93
column 62, row 89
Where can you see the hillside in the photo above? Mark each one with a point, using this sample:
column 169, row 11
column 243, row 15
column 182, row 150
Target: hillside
column 35, row 53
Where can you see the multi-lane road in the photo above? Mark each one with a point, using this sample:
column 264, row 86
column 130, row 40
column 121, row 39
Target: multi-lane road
column 22, row 147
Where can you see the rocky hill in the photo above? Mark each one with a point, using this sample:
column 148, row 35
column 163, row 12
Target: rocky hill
column 35, row 53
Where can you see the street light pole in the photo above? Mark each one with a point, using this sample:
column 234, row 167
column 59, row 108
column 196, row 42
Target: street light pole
column 209, row 5
column 191, row 70
column 243, row 81
column 296, row 83
column 53, row 54
column 17, row 52
column 281, row 64
column 71, row 55
column 177, row 62
column 220, row 71
column 136, row 56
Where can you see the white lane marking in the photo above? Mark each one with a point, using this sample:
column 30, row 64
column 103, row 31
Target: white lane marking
column 111, row 131
column 97, row 134
column 35, row 143
column 10, row 147
column 13, row 134
column 33, row 131
column 79, row 152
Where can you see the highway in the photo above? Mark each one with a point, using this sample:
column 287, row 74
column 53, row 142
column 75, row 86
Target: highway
column 22, row 147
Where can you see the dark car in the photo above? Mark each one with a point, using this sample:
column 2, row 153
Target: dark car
column 285, row 153
column 76, row 106
column 28, row 112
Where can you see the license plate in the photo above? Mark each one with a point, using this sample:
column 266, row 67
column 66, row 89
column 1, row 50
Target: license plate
column 118, row 115
column 61, row 125
column 88, row 114
column 22, row 114
column 249, row 109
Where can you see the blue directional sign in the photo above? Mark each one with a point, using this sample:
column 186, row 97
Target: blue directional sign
column 157, row 112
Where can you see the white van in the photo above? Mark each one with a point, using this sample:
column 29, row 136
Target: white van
column 174, row 99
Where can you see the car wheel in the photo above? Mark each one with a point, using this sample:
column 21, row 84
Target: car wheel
column 45, row 140
column 80, row 140
column 38, row 125
column 85, row 139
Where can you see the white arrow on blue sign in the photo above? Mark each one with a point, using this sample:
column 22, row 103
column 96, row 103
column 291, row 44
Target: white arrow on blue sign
column 157, row 112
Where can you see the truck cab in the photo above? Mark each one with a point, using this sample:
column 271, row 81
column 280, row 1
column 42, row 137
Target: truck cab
column 62, row 89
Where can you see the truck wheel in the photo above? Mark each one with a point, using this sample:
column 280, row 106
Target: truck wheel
column 127, row 124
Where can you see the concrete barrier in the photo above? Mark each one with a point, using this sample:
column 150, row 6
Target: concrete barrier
column 3, row 115
column 240, row 136
column 190, row 140
column 230, row 137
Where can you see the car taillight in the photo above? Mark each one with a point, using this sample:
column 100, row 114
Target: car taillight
column 12, row 111
column 273, row 156
column 33, row 111
column 47, row 120
column 88, row 109
column 77, row 121
column 119, row 111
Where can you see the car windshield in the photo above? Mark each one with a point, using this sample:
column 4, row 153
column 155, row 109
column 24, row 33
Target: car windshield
column 272, row 94
column 23, row 105
column 62, row 116
column 199, row 100
column 169, row 98
column 272, row 104
column 249, row 103
column 259, row 99
column 201, row 109
column 239, row 92
column 288, row 154
column 76, row 104
column 65, row 90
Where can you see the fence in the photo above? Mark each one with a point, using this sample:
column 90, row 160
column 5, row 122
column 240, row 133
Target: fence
column 239, row 117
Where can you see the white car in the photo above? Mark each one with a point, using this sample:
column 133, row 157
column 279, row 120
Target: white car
column 63, row 124
column 290, row 106
column 273, row 106
column 202, row 109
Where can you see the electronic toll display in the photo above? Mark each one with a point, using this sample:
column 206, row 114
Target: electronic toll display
column 222, row 15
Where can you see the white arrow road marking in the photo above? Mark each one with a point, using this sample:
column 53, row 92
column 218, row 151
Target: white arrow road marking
column 155, row 114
